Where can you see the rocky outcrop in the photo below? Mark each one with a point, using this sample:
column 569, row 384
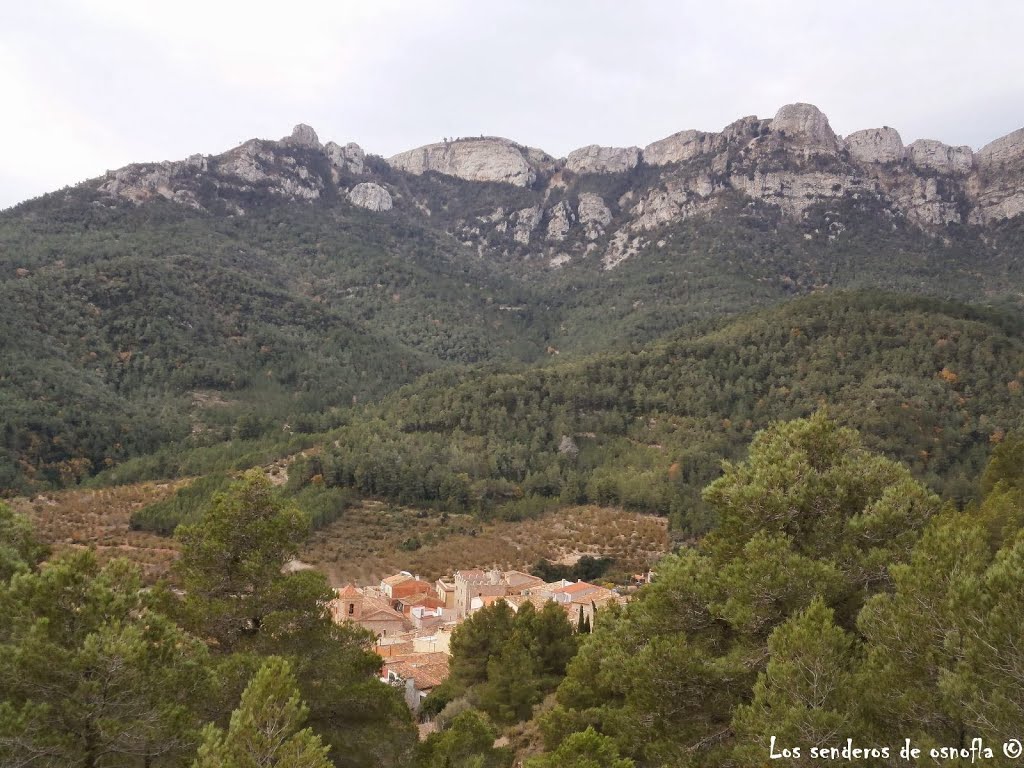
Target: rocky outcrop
column 793, row 161
column 143, row 182
column 746, row 129
column 348, row 158
column 927, row 154
column 595, row 159
column 488, row 159
column 806, row 129
column 682, row 146
column 524, row 222
column 302, row 136
column 372, row 197
column 593, row 214
column 560, row 220
column 1004, row 153
column 875, row 145
column 998, row 187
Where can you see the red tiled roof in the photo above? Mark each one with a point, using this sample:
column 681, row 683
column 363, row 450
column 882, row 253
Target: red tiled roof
column 349, row 591
column 579, row 586
column 428, row 670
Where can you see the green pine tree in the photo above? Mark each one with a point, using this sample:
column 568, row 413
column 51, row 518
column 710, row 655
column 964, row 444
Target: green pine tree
column 266, row 728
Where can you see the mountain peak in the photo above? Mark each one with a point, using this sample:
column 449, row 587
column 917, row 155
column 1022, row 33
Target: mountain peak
column 303, row 136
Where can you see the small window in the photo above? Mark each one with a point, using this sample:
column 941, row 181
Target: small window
column 351, row 608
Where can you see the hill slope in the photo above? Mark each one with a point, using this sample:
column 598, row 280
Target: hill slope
column 266, row 289
column 933, row 384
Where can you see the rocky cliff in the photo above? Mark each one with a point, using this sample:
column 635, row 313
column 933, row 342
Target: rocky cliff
column 484, row 159
column 793, row 162
column 296, row 167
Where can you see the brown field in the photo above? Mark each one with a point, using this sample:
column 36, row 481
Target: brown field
column 367, row 543
column 99, row 519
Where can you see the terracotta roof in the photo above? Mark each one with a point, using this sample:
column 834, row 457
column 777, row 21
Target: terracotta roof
column 350, row 591
column 427, row 670
column 520, row 579
column 551, row 586
column 428, row 601
column 398, row 578
column 388, row 650
column 380, row 608
column 579, row 586
column 538, row 601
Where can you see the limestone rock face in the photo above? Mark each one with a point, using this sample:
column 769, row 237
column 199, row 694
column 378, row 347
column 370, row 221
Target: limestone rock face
column 923, row 202
column 560, row 220
column 936, row 156
column 525, row 222
column 372, row 197
column 1003, row 152
column 489, row 159
column 349, row 158
column 999, row 184
column 793, row 162
column 302, row 136
column 595, row 159
column 593, row 214
column 745, row 129
column 875, row 145
column 807, row 128
column 248, row 162
column 682, row 146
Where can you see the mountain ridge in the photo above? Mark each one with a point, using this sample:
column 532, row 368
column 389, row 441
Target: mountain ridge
column 793, row 161
column 318, row 275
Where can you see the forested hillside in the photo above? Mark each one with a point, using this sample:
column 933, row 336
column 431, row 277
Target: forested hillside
column 932, row 384
column 125, row 330
column 839, row 604
column 181, row 328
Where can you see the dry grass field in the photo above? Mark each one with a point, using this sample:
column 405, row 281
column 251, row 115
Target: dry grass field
column 370, row 541
column 367, row 543
column 99, row 519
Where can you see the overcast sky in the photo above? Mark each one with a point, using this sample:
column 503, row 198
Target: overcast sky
column 89, row 85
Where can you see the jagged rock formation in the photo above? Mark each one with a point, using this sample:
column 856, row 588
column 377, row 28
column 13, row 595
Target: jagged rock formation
column 286, row 169
column 595, row 159
column 997, row 187
column 348, row 158
column 928, row 154
column 806, row 127
column 593, row 214
column 875, row 145
column 525, row 221
column 371, row 196
column 484, row 159
column 303, row 136
column 680, row 147
column 561, row 220
column 793, row 162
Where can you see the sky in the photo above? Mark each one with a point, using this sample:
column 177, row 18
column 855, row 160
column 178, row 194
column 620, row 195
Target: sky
column 91, row 85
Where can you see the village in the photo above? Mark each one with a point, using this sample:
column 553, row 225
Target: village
column 413, row 619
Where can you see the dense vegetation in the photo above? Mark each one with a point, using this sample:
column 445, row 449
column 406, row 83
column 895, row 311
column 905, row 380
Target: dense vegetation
column 932, row 384
column 123, row 331
column 128, row 331
column 837, row 599
column 98, row 671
